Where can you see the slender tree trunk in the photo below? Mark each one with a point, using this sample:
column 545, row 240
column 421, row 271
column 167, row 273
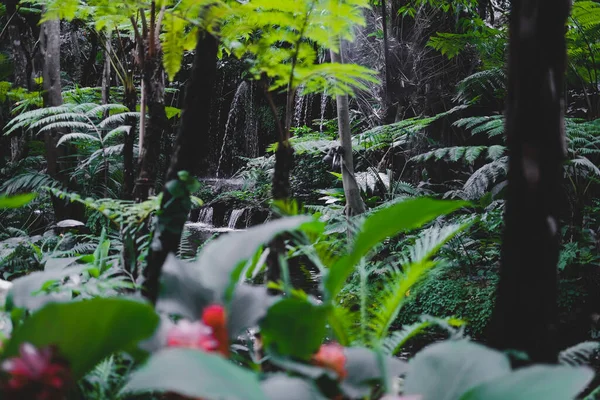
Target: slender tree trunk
column 154, row 88
column 129, row 142
column 50, row 48
column 153, row 75
column 88, row 68
column 18, row 142
column 354, row 203
column 193, row 130
column 106, row 72
column 525, row 315
column 390, row 112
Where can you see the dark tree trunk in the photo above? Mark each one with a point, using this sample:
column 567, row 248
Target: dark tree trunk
column 154, row 86
column 18, row 142
column 525, row 316
column 390, row 111
column 129, row 142
column 192, row 133
column 88, row 68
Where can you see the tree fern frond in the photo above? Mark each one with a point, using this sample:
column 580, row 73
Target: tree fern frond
column 479, row 183
column 83, row 126
column 495, row 152
column 99, row 110
column 584, row 164
column 69, row 137
column 117, row 119
column 480, row 84
column 28, row 182
column 468, row 154
column 117, row 131
column 68, row 116
column 579, row 355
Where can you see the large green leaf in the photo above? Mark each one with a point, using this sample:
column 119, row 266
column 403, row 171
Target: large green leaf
column 86, row 332
column 182, row 292
column 294, row 327
column 364, row 367
column 26, row 291
column 196, row 374
column 219, row 259
column 388, row 222
column 540, row 382
column 283, row 387
column 248, row 306
column 444, row 371
column 17, row 201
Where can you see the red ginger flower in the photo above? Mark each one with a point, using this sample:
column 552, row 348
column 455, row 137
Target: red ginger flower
column 36, row 374
column 214, row 316
column 331, row 356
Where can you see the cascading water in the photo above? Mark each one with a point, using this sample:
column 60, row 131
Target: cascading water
column 206, row 216
column 251, row 131
column 300, row 99
column 235, row 216
column 232, row 119
column 323, row 109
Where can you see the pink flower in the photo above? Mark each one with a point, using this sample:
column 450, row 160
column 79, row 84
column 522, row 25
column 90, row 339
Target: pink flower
column 331, row 356
column 194, row 335
column 36, row 374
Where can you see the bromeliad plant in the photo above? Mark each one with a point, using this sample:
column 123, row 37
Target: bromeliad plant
column 233, row 340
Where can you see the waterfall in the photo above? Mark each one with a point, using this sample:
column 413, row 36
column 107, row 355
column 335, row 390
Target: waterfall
column 298, row 109
column 206, row 216
column 323, row 109
column 232, row 120
column 235, row 216
column 251, row 131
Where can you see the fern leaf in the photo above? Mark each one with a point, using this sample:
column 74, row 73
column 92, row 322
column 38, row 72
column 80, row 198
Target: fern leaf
column 28, row 182
column 117, row 131
column 69, row 137
column 579, row 355
column 117, row 119
column 416, row 263
column 83, row 126
column 481, row 180
column 99, row 110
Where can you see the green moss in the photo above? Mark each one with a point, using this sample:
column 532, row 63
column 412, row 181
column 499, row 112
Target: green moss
column 451, row 293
